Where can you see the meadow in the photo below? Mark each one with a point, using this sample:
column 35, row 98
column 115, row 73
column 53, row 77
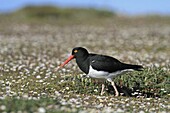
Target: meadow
column 34, row 41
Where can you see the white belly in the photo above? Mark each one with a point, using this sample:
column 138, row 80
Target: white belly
column 104, row 75
column 97, row 74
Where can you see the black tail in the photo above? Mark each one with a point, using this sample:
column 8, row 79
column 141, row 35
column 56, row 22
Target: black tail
column 134, row 67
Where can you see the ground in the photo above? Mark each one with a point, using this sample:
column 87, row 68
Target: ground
column 30, row 51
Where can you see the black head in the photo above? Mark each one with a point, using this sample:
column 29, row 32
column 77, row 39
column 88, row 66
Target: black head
column 79, row 52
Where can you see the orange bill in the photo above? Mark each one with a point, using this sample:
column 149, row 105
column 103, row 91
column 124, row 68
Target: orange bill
column 65, row 62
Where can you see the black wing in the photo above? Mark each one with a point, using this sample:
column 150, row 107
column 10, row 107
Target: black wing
column 109, row 64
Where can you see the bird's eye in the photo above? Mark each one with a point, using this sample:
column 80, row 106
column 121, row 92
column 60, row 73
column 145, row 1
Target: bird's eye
column 75, row 51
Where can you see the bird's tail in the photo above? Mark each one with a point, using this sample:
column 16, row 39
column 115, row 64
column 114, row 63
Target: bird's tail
column 134, row 67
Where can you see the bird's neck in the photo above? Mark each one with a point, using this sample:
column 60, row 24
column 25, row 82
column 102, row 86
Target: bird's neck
column 83, row 63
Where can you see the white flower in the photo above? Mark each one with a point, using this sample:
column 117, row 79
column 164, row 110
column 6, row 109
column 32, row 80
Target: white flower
column 38, row 77
column 41, row 110
column 2, row 107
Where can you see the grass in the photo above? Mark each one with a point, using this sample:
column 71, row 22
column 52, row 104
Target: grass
column 58, row 16
column 32, row 46
column 25, row 105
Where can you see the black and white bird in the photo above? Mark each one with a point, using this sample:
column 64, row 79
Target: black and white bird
column 100, row 66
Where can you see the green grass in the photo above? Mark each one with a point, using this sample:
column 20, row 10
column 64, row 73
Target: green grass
column 71, row 16
column 58, row 16
column 25, row 105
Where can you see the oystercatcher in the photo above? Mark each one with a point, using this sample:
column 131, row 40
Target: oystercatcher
column 100, row 66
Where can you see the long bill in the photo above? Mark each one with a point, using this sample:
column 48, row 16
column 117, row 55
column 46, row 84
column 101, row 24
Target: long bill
column 65, row 62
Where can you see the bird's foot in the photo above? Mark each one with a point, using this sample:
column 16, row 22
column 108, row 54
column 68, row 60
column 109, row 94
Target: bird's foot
column 102, row 93
column 117, row 94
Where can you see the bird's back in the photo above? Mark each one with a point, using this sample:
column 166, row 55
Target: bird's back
column 109, row 64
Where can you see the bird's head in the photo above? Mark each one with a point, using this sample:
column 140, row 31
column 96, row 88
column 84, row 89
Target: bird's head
column 76, row 52
column 79, row 52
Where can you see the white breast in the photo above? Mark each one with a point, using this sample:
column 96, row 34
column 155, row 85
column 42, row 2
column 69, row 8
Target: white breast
column 97, row 74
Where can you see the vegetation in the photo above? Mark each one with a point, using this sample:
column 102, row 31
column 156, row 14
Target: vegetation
column 34, row 41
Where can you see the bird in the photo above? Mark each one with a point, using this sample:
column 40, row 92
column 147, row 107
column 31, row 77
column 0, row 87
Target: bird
column 100, row 66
